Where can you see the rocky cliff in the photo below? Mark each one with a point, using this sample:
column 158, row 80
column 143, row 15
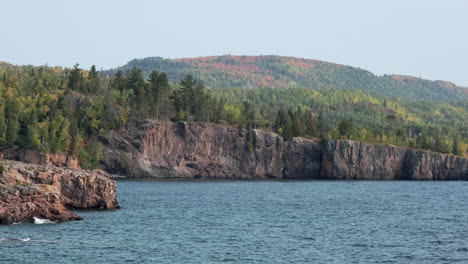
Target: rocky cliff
column 347, row 159
column 165, row 149
column 45, row 192
column 193, row 150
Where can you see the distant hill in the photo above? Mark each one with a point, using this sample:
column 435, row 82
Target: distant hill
column 279, row 72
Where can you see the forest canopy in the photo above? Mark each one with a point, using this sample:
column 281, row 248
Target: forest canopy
column 54, row 109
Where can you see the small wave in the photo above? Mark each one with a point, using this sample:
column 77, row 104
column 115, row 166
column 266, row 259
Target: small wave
column 39, row 221
column 15, row 239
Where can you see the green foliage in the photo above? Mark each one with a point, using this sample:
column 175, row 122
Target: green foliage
column 250, row 138
column 76, row 79
column 345, row 127
column 281, row 72
column 90, row 155
column 191, row 102
column 123, row 164
column 66, row 110
column 456, row 146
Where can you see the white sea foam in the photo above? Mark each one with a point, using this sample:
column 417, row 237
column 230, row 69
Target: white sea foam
column 15, row 239
column 39, row 221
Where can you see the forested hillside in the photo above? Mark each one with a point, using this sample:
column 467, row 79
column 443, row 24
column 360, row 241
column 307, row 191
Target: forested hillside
column 290, row 72
column 66, row 109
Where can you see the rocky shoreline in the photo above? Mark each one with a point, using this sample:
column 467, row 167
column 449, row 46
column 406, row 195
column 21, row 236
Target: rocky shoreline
column 30, row 192
column 166, row 150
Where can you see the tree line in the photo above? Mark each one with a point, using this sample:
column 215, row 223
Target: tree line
column 65, row 110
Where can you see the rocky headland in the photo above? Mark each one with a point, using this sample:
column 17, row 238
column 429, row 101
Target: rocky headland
column 205, row 150
column 29, row 192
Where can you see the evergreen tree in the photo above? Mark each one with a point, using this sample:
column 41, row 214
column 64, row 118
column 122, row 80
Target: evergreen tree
column 456, row 148
column 136, row 83
column 163, row 96
column 298, row 128
column 3, row 124
column 93, row 81
column 310, row 124
column 250, row 138
column 154, row 92
column 287, row 126
column 119, row 81
column 12, row 112
column 440, row 144
column 321, row 125
column 75, row 80
column 345, row 128
column 199, row 108
column 187, row 92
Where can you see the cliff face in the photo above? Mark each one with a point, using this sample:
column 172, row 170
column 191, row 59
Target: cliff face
column 28, row 191
column 347, row 159
column 193, row 150
column 165, row 149
column 302, row 159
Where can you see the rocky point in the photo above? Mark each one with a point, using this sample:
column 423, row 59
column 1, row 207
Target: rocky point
column 29, row 191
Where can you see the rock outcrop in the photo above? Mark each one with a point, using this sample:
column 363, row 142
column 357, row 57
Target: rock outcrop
column 45, row 192
column 41, row 158
column 168, row 150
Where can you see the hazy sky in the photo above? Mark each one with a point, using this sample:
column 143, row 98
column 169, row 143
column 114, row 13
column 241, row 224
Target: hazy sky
column 421, row 38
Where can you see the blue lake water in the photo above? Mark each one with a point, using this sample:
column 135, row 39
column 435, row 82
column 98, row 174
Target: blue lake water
column 258, row 222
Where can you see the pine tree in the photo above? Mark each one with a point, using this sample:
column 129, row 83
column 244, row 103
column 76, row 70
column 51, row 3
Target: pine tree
column 154, row 91
column 440, row 145
column 345, row 128
column 187, row 92
column 93, row 81
column 456, row 148
column 321, row 125
column 136, row 83
column 310, row 124
column 75, row 80
column 199, row 102
column 12, row 112
column 119, row 81
column 163, row 97
column 287, row 126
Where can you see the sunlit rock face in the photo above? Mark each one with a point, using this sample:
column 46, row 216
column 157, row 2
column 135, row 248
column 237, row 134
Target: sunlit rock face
column 46, row 192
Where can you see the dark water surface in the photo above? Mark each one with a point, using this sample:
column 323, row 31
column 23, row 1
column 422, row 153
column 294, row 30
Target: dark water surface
column 258, row 222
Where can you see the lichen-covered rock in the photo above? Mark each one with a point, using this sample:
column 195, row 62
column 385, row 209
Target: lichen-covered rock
column 29, row 190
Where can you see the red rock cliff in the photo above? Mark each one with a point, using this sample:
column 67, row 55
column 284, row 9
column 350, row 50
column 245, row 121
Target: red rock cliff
column 165, row 149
